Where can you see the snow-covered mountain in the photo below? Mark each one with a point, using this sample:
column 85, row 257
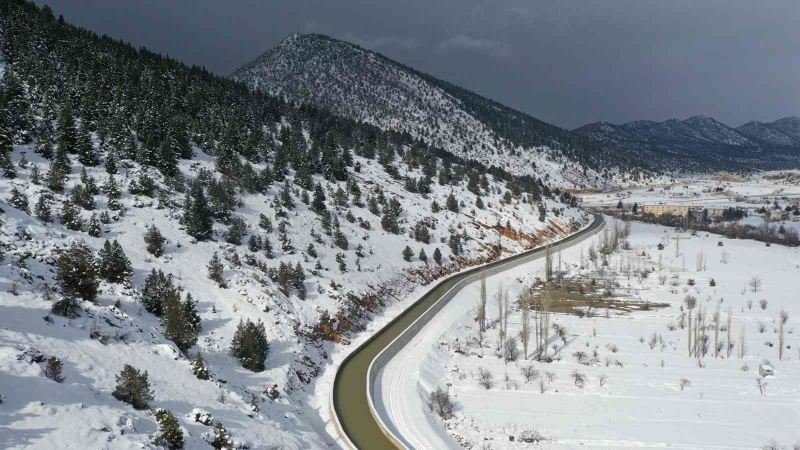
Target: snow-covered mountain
column 701, row 143
column 366, row 86
column 780, row 133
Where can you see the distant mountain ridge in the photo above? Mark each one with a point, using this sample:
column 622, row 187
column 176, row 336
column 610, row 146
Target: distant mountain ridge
column 701, row 143
column 366, row 86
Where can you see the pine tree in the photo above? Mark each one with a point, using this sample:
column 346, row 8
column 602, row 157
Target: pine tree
column 236, row 231
column 170, row 434
column 6, row 139
column 67, row 132
column 76, row 274
column 45, row 144
column 70, row 216
column 452, row 203
column 286, row 196
column 18, row 106
column 133, row 387
column 267, row 247
column 93, row 228
column 87, row 153
column 114, row 265
column 19, row 200
column 35, row 176
column 199, row 368
column 254, row 244
column 265, row 223
column 339, row 239
column 408, row 253
column 422, row 256
column 318, row 201
column 179, row 326
column 250, row 345
column 222, row 438
column 154, row 241
column 42, row 209
column 216, row 271
column 111, row 164
column 197, row 216
column 53, row 369
column 157, row 286
column 437, row 256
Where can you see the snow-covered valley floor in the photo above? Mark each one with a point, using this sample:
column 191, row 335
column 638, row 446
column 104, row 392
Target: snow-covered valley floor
column 640, row 387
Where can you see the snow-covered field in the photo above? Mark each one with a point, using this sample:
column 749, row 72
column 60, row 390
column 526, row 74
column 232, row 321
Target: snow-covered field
column 722, row 191
column 633, row 363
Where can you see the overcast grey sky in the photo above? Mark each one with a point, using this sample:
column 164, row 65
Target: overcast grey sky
column 568, row 62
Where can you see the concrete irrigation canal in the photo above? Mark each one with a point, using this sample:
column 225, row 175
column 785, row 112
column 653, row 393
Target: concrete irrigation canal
column 353, row 411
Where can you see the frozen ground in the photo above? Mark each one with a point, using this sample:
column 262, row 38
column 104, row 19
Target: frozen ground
column 641, row 357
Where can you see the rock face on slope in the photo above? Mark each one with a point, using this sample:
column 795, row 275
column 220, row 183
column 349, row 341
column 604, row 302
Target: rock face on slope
column 366, row 86
column 702, row 143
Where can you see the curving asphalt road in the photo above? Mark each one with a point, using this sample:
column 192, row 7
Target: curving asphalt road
column 353, row 413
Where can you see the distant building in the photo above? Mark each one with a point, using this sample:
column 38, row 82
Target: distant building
column 682, row 210
column 660, row 210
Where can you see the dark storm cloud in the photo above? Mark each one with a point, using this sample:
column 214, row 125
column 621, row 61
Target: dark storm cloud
column 568, row 62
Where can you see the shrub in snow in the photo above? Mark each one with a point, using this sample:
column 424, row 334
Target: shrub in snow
column 66, row 307
column 170, row 434
column 53, row 369
column 199, row 368
column 485, row 378
column 441, row 403
column 531, row 437
column 272, row 392
column 133, row 387
column 250, row 345
column 221, row 438
column 200, row 416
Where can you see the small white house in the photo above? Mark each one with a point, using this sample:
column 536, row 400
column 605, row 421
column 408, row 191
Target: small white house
column 765, row 370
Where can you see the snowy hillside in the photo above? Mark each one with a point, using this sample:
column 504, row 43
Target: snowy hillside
column 117, row 329
column 369, row 87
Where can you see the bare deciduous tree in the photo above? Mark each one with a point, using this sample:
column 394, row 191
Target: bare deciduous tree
column 783, row 317
column 578, row 378
column 691, row 302
column 529, row 373
column 755, row 283
column 481, row 316
column 762, row 385
column 525, row 330
column 485, row 378
column 684, row 383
